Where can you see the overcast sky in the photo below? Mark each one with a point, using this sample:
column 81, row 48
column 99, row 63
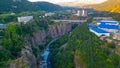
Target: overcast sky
column 82, row 1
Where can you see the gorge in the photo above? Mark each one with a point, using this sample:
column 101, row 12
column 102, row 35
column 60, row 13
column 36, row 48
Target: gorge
column 31, row 54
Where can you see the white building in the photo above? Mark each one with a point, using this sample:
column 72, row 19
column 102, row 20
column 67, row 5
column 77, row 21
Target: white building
column 82, row 13
column 49, row 14
column 3, row 26
column 25, row 19
column 116, row 36
column 99, row 32
column 102, row 18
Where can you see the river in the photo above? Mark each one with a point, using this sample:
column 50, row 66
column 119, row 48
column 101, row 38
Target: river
column 45, row 62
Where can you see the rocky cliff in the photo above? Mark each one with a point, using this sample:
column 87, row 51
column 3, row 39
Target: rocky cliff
column 59, row 29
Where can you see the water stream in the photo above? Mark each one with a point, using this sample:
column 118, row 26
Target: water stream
column 45, row 62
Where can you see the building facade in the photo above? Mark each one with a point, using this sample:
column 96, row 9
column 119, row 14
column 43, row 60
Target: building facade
column 25, row 19
column 102, row 18
column 116, row 36
column 82, row 13
column 49, row 14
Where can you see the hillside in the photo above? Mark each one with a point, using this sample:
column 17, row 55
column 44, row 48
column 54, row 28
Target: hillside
column 110, row 5
column 17, row 6
column 82, row 49
column 48, row 6
column 24, row 5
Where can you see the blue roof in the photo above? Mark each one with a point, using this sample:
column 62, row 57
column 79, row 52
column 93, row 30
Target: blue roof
column 92, row 25
column 2, row 26
column 98, row 30
column 108, row 21
column 109, row 26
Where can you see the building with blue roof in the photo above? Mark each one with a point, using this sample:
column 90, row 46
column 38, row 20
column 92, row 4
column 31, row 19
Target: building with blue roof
column 108, row 22
column 3, row 26
column 110, row 26
column 99, row 31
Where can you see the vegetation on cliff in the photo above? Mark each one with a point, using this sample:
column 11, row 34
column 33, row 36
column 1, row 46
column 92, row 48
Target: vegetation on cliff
column 13, row 38
column 91, row 51
column 19, row 38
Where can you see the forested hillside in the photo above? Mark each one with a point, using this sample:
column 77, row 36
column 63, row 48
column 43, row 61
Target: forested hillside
column 24, row 5
column 17, row 6
column 7, row 17
column 82, row 49
column 48, row 6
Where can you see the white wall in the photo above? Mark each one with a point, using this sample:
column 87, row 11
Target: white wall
column 99, row 34
column 25, row 18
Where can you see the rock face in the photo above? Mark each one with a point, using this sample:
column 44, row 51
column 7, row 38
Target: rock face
column 39, row 36
column 55, row 30
column 17, row 63
column 28, row 59
column 58, row 29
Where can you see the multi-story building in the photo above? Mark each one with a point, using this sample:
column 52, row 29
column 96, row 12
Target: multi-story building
column 25, row 19
column 49, row 14
column 82, row 13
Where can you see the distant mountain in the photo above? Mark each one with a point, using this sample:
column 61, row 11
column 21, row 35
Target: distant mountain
column 80, row 3
column 24, row 5
column 110, row 5
column 48, row 6
column 73, row 4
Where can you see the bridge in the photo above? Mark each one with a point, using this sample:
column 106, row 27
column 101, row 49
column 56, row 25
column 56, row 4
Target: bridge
column 70, row 21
